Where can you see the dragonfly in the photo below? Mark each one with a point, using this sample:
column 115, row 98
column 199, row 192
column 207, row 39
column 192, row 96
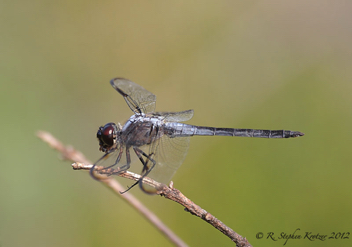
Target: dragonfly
column 160, row 140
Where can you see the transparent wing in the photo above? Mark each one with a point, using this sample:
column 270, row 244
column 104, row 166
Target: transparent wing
column 169, row 154
column 182, row 116
column 138, row 99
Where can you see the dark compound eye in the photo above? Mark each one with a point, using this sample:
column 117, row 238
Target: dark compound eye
column 106, row 134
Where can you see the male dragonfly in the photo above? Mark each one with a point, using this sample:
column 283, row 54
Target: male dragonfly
column 159, row 139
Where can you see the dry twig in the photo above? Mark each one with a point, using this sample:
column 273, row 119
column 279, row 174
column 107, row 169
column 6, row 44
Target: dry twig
column 81, row 163
column 69, row 153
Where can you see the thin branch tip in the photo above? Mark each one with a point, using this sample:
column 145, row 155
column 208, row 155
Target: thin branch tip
column 81, row 166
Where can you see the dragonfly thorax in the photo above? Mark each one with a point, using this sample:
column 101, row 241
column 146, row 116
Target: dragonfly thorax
column 142, row 129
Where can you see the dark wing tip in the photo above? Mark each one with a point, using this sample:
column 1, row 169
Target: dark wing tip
column 115, row 80
column 114, row 83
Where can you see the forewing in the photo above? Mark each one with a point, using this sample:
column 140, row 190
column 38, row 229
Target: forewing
column 138, row 99
column 182, row 116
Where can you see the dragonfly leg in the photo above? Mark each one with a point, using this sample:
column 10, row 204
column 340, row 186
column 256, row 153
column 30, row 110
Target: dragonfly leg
column 117, row 160
column 91, row 171
column 128, row 159
column 145, row 163
column 105, row 156
column 139, row 153
column 146, row 170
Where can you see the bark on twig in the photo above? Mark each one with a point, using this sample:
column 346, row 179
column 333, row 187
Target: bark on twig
column 81, row 163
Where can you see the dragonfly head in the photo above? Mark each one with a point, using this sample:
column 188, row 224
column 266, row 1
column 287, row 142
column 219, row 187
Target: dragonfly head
column 107, row 136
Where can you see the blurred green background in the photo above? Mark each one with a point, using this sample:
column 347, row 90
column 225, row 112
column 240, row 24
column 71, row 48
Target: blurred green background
column 244, row 64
